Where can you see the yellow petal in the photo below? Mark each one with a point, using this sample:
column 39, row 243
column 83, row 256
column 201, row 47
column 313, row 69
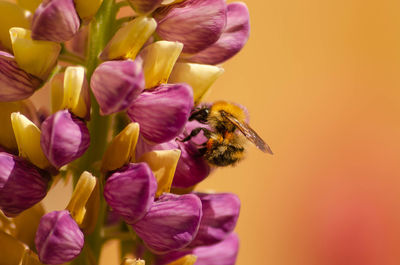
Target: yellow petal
column 12, row 250
column 27, row 223
column 86, row 9
column 74, row 91
column 92, row 211
column 129, row 39
column 11, row 15
column 57, row 92
column 80, row 196
column 199, row 76
column 163, row 164
column 128, row 261
column 185, row 260
column 122, row 148
column 36, row 57
column 7, row 137
column 158, row 60
column 30, row 5
column 7, row 225
column 27, row 135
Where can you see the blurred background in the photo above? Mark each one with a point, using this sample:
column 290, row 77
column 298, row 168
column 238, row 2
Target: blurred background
column 322, row 85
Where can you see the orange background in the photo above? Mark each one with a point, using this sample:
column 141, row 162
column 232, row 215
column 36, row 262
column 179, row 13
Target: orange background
column 322, row 85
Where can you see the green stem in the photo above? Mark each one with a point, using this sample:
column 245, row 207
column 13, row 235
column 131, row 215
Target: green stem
column 100, row 33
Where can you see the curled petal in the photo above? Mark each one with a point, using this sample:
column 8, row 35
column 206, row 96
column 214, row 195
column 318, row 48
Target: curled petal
column 36, row 57
column 144, row 6
column 199, row 76
column 129, row 39
column 22, row 185
column 55, row 20
column 115, row 84
column 15, row 83
column 171, row 223
column 223, row 253
column 220, row 214
column 195, row 23
column 64, row 138
column 11, row 15
column 232, row 40
column 58, row 238
column 130, row 191
column 163, row 111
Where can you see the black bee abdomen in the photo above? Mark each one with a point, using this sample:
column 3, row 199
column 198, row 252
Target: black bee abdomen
column 222, row 154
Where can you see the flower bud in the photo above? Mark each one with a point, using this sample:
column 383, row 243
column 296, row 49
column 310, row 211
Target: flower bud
column 58, row 238
column 15, row 83
column 144, row 6
column 163, row 164
column 22, row 185
column 158, row 60
column 76, row 95
column 130, row 191
column 163, row 111
column 232, row 40
column 11, row 15
column 87, row 8
column 220, row 214
column 64, row 138
column 199, row 76
column 55, row 20
column 122, row 148
column 34, row 56
column 115, row 84
column 195, row 23
column 171, row 223
column 28, row 136
column 7, row 137
column 129, row 39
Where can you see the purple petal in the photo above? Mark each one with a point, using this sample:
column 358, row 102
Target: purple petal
column 55, row 20
column 163, row 111
column 22, row 185
column 220, row 214
column 144, row 6
column 130, row 191
column 195, row 23
column 115, row 84
column 64, row 138
column 58, row 238
column 223, row 253
column 15, row 83
column 171, row 223
column 232, row 40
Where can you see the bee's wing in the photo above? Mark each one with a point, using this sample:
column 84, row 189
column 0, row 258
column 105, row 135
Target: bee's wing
column 249, row 133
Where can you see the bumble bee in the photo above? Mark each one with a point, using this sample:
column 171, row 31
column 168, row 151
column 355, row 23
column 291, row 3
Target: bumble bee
column 227, row 134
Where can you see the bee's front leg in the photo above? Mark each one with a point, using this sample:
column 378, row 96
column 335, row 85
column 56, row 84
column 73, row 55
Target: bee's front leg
column 194, row 132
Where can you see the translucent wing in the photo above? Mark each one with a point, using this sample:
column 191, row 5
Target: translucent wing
column 248, row 132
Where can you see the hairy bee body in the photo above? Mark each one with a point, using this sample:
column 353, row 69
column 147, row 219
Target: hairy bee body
column 228, row 133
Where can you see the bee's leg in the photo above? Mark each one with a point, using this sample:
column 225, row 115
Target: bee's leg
column 200, row 115
column 202, row 151
column 195, row 132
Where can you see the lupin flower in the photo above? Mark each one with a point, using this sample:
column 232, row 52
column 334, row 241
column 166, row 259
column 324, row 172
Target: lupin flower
column 232, row 40
column 223, row 253
column 64, row 138
column 220, row 214
column 55, row 20
column 115, row 84
column 15, row 83
column 58, row 238
column 130, row 191
column 163, row 111
column 22, row 185
column 171, row 223
column 195, row 23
